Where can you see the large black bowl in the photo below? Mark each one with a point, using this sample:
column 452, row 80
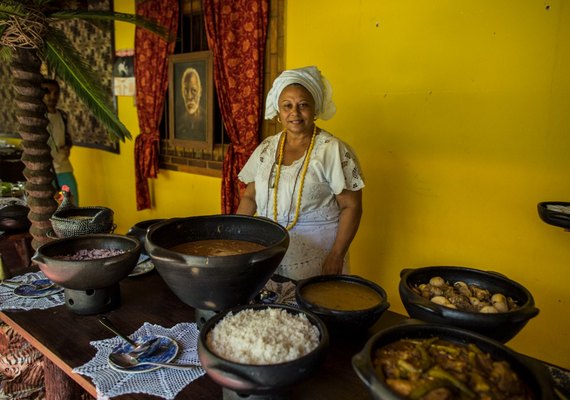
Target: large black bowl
column 502, row 326
column 88, row 274
column 216, row 282
column 260, row 379
column 343, row 321
column 529, row 370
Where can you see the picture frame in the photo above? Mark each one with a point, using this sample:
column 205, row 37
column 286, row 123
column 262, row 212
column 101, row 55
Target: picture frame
column 190, row 100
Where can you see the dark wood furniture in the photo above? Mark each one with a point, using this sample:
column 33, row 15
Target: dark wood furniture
column 63, row 337
column 16, row 251
column 11, row 168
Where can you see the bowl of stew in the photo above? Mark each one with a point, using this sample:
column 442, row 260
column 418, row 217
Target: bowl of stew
column 215, row 262
column 346, row 303
column 418, row 360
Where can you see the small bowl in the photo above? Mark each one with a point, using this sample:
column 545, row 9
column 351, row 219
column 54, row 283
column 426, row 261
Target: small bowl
column 260, row 379
column 88, row 274
column 502, row 326
column 529, row 370
column 140, row 229
column 338, row 320
column 553, row 217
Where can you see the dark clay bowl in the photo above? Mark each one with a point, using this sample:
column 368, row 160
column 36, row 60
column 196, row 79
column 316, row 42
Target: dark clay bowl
column 140, row 229
column 529, row 370
column 14, row 217
column 216, row 282
column 552, row 217
column 502, row 326
column 260, row 379
column 88, row 274
column 343, row 321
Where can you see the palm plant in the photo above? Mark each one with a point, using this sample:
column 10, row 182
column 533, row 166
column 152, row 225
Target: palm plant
column 29, row 35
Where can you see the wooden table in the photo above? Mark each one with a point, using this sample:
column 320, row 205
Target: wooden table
column 63, row 337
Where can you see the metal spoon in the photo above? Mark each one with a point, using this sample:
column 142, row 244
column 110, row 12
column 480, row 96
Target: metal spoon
column 137, row 347
column 125, row 360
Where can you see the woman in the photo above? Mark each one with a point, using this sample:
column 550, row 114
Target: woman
column 59, row 140
column 304, row 178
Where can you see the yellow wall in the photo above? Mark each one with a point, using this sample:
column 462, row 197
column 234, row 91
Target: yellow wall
column 459, row 112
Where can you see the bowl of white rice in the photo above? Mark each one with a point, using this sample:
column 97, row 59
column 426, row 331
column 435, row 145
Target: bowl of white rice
column 262, row 348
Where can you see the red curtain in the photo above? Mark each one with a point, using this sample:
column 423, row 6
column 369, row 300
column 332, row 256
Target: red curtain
column 151, row 72
column 236, row 32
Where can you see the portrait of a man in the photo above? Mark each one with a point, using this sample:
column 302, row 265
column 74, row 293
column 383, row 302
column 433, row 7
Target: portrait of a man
column 192, row 123
column 191, row 97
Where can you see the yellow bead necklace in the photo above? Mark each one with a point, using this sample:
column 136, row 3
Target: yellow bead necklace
column 303, row 174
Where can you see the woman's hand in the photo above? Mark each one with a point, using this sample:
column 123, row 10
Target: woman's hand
column 247, row 205
column 350, row 204
column 333, row 264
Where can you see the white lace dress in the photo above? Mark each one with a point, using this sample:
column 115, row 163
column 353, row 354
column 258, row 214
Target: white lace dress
column 333, row 167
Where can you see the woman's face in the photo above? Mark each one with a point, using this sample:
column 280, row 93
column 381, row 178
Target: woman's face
column 297, row 109
column 51, row 96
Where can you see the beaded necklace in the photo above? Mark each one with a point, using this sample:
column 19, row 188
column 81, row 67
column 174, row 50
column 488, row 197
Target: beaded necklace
column 303, row 174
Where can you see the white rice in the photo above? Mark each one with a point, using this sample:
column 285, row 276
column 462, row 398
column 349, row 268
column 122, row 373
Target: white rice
column 262, row 337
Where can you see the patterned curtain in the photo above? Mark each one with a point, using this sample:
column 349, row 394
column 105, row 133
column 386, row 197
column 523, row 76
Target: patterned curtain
column 236, row 32
column 151, row 72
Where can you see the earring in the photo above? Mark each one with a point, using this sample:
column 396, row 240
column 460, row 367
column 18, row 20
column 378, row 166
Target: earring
column 278, row 119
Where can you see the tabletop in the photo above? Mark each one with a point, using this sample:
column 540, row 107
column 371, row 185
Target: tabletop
column 146, row 298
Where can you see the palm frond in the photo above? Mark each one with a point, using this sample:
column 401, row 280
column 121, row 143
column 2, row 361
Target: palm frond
column 5, row 54
column 68, row 64
column 95, row 15
column 9, row 8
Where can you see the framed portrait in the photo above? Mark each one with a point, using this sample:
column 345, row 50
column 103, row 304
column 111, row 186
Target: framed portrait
column 124, row 73
column 190, row 103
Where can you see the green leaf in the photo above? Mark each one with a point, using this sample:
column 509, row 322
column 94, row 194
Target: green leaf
column 5, row 54
column 68, row 64
column 9, row 8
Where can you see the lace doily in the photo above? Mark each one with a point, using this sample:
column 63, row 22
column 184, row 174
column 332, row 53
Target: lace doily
column 163, row 382
column 10, row 301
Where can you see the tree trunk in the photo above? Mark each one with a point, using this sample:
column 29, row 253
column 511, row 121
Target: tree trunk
column 36, row 156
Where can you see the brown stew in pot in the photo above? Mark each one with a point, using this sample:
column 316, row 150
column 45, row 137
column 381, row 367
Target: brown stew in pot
column 339, row 295
column 217, row 247
column 436, row 369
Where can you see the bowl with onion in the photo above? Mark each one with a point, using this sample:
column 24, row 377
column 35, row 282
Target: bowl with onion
column 486, row 302
column 89, row 268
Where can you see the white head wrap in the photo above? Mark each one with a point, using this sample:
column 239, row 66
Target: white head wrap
column 312, row 80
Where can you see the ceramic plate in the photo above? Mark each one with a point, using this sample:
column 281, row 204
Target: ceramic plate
column 142, row 268
column 27, row 290
column 164, row 353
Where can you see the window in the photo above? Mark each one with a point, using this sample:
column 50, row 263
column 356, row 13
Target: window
column 191, row 37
